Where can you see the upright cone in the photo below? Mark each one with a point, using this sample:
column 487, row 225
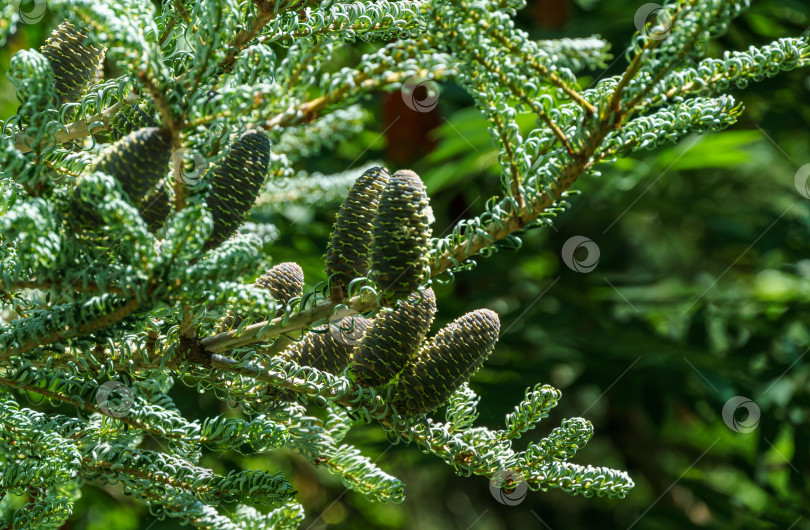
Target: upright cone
column 137, row 161
column 392, row 340
column 399, row 262
column 285, row 281
column 131, row 118
column 75, row 63
column 330, row 350
column 155, row 208
column 347, row 255
column 235, row 184
column 447, row 361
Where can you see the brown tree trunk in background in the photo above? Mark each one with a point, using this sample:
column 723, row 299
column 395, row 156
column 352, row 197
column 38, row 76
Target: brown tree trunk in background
column 550, row 14
column 407, row 131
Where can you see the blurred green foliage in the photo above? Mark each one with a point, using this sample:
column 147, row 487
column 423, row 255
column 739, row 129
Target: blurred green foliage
column 702, row 293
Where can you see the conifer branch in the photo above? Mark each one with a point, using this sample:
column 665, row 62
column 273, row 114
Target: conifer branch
column 78, row 129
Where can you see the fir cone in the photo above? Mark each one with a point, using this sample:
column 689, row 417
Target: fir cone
column 285, row 281
column 399, row 262
column 447, row 361
column 131, row 118
column 75, row 63
column 137, row 161
column 350, row 243
column 228, row 322
column 330, row 350
column 393, row 339
column 155, row 208
column 235, row 184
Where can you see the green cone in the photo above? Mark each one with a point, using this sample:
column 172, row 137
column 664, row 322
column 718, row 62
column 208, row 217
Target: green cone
column 137, row 161
column 285, row 281
column 393, row 339
column 155, row 208
column 330, row 350
column 399, row 262
column 235, row 184
column 74, row 62
column 447, row 361
column 131, row 118
column 348, row 252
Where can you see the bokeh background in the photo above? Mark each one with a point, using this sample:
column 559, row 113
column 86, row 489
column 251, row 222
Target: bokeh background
column 701, row 294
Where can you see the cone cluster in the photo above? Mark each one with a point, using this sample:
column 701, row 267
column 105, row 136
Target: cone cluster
column 382, row 231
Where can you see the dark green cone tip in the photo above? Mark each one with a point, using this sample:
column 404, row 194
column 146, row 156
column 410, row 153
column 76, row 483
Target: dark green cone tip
column 393, row 339
column 399, row 261
column 347, row 255
column 285, row 281
column 330, row 351
column 235, row 184
column 155, row 208
column 131, row 118
column 446, row 362
column 137, row 161
column 74, row 62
